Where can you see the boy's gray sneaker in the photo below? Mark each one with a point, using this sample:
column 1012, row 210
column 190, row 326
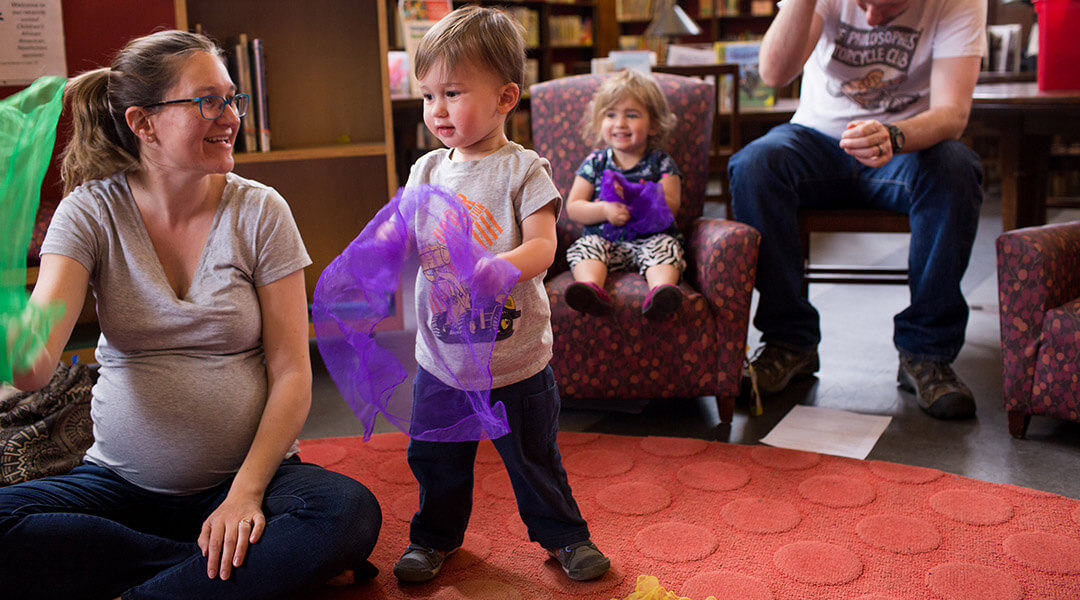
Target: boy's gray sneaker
column 419, row 564
column 775, row 366
column 938, row 390
column 581, row 561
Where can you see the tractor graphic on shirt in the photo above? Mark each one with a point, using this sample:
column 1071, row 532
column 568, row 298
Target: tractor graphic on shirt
column 454, row 320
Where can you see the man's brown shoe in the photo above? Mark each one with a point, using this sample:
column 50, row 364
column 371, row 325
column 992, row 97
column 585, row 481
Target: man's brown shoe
column 938, row 390
column 775, row 366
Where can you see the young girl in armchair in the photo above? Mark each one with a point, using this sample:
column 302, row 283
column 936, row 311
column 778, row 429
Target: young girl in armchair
column 626, row 195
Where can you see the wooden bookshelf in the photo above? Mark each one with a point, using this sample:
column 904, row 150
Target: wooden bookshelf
column 566, row 39
column 332, row 143
column 719, row 20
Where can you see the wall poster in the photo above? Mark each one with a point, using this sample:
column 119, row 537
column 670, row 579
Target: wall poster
column 31, row 41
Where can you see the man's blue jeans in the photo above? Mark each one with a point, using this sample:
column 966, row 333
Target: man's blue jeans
column 91, row 534
column 531, row 456
column 940, row 188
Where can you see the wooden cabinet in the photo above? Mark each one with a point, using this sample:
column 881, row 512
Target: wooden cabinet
column 329, row 104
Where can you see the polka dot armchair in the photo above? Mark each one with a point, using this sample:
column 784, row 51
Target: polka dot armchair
column 698, row 352
column 1039, row 299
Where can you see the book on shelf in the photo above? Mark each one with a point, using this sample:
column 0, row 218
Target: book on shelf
column 570, row 30
column 1003, row 49
column 599, row 66
column 752, row 91
column 530, row 20
column 417, row 17
column 691, row 54
column 532, row 72
column 260, row 99
column 399, row 69
column 240, row 71
column 634, row 10
column 761, row 8
column 424, row 10
column 640, row 60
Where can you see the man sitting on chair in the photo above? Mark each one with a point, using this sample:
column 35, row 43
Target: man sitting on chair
column 886, row 93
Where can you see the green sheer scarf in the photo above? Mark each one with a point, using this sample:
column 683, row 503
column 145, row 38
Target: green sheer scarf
column 27, row 135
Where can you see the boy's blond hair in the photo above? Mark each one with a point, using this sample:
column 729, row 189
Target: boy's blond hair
column 486, row 38
column 629, row 84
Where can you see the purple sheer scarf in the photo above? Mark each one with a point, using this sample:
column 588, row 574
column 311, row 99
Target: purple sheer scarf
column 357, row 290
column 649, row 213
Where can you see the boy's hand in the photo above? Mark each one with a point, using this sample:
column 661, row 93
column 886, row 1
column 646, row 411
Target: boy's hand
column 493, row 277
column 616, row 213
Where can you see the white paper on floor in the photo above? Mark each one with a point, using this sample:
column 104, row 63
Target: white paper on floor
column 827, row 431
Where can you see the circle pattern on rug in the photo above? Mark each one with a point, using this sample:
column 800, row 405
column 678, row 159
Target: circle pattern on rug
column 486, row 454
column 498, row 484
column 761, row 515
column 904, row 473
column 725, row 584
column 551, row 576
column 973, row 508
column 713, row 476
column 1034, row 493
column 390, row 442
column 1034, row 554
column 837, row 491
column 478, row 589
column 899, row 534
column 576, row 438
column 675, row 542
column 784, row 459
column 634, row 498
column 966, row 581
column 818, row 563
column 597, row 463
column 475, row 549
column 325, row 454
column 1045, row 551
column 517, row 527
column 672, row 447
column 404, row 506
column 395, row 470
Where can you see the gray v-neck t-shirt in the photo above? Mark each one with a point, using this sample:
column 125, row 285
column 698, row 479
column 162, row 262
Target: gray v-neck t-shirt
column 182, row 383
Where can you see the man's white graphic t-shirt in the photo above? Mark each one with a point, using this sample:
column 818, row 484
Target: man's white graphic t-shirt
column 882, row 73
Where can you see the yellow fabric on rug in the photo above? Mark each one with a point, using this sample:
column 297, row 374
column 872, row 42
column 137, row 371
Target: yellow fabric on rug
column 648, row 588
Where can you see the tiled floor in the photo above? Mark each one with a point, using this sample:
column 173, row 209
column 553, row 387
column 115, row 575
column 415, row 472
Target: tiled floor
column 858, row 373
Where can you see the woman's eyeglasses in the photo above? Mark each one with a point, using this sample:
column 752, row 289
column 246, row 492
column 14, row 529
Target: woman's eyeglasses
column 212, row 107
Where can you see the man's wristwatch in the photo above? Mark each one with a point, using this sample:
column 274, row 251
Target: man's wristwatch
column 896, row 138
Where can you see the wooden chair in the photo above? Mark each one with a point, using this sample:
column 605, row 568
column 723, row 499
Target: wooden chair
column 725, row 134
column 857, row 220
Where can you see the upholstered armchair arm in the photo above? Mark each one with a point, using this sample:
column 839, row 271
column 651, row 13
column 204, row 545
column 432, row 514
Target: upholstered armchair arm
column 1038, row 269
column 722, row 265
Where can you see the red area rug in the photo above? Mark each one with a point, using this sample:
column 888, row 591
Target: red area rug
column 735, row 522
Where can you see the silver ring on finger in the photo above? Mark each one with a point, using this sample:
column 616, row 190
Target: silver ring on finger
column 880, row 150
column 244, row 522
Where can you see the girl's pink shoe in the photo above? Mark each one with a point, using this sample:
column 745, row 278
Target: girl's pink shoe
column 589, row 298
column 662, row 301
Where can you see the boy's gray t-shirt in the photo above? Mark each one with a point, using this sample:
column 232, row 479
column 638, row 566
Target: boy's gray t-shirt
column 500, row 190
column 182, row 384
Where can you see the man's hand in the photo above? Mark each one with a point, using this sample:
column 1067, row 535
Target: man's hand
column 867, row 142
